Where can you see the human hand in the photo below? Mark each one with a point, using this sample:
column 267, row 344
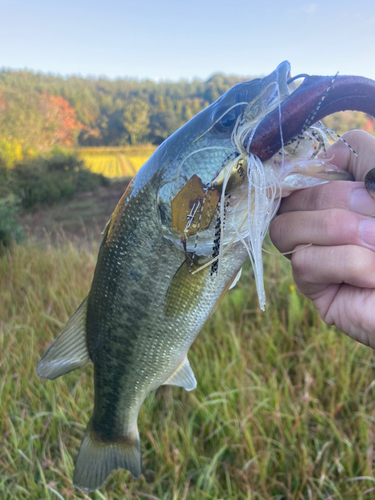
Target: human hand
column 338, row 271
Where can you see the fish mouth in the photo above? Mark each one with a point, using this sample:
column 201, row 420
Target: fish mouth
column 316, row 98
column 282, row 151
column 277, row 139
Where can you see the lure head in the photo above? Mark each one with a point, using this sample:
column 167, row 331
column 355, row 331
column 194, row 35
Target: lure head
column 207, row 159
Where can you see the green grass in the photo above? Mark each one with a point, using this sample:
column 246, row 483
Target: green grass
column 116, row 162
column 284, row 407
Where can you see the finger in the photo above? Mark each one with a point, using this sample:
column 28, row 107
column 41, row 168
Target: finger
column 338, row 194
column 349, row 308
column 347, row 195
column 316, row 267
column 323, row 227
column 363, row 144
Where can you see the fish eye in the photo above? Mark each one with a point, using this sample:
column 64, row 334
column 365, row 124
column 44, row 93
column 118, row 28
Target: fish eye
column 227, row 121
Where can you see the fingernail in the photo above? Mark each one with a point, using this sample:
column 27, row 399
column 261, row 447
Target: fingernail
column 362, row 203
column 367, row 231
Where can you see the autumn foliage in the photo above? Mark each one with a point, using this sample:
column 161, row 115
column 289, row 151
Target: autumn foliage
column 32, row 122
column 60, row 120
column 39, row 112
column 369, row 126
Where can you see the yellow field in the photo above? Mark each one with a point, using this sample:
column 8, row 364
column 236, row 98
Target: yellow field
column 116, row 162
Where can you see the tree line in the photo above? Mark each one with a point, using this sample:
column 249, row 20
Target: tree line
column 39, row 111
column 45, row 110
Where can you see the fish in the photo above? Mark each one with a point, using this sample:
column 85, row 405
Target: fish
column 177, row 241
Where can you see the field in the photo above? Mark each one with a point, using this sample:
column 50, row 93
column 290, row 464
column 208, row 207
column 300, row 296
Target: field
column 284, row 407
column 116, row 162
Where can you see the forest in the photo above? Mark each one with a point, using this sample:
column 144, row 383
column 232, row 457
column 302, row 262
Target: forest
column 61, row 136
column 39, row 111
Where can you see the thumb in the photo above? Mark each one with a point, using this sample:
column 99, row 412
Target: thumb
column 342, row 156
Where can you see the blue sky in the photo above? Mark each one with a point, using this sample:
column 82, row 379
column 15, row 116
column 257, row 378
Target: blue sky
column 175, row 39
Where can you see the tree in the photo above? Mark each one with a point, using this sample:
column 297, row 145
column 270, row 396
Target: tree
column 60, row 120
column 136, row 120
column 2, row 104
column 163, row 124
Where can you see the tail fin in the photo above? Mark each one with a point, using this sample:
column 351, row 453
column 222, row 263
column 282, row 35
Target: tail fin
column 97, row 458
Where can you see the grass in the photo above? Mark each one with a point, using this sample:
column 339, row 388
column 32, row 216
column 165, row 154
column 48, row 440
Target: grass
column 85, row 214
column 116, row 162
column 284, row 407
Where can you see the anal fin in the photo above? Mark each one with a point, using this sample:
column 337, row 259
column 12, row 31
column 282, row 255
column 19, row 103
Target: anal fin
column 236, row 279
column 183, row 377
column 227, row 287
column 69, row 350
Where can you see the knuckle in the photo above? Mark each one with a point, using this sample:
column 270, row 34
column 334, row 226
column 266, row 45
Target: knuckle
column 277, row 230
column 319, row 197
column 337, row 226
column 328, row 196
column 359, row 262
column 355, row 135
column 301, row 265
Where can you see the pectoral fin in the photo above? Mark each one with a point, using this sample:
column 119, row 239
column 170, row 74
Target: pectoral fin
column 185, row 291
column 183, row 377
column 69, row 350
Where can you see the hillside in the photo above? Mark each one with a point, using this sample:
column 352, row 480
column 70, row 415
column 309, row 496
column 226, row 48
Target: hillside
column 39, row 112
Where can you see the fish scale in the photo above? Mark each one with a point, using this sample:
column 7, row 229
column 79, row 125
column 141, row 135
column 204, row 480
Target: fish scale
column 137, row 336
column 156, row 283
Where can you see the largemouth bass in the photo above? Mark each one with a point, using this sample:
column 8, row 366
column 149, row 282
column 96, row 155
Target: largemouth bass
column 177, row 241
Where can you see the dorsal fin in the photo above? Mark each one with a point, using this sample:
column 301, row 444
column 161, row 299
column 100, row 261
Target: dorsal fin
column 183, row 377
column 69, row 350
column 106, row 227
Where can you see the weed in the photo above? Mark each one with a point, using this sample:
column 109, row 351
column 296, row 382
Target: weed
column 284, row 407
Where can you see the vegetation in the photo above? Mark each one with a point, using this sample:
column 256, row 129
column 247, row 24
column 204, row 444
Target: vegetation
column 47, row 180
column 32, row 121
column 284, row 407
column 116, row 162
column 40, row 111
column 349, row 120
column 40, row 181
column 10, row 229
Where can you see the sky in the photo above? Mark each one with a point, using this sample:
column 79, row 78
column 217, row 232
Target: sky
column 186, row 39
